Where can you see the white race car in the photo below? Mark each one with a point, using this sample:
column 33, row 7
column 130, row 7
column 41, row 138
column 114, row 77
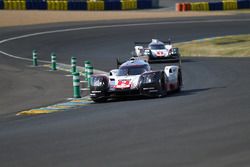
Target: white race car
column 156, row 51
column 135, row 77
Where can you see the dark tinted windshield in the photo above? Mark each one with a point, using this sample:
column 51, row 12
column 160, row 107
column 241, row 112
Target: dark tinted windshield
column 132, row 70
column 156, row 47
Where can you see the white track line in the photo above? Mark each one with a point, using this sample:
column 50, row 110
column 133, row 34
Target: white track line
column 108, row 26
column 85, row 89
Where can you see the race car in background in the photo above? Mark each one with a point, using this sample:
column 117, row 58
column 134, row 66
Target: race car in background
column 156, row 51
column 135, row 77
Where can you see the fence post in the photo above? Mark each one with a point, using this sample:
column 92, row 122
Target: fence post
column 34, row 56
column 53, row 61
column 86, row 65
column 89, row 73
column 76, row 85
column 73, row 65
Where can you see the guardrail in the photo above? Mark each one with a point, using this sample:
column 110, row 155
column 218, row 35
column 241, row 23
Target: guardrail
column 212, row 6
column 78, row 4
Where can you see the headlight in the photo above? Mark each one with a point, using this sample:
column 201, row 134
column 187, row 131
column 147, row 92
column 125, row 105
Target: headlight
column 149, row 78
column 147, row 52
column 175, row 50
column 96, row 82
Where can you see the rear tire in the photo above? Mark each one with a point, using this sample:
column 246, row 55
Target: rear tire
column 162, row 86
column 179, row 83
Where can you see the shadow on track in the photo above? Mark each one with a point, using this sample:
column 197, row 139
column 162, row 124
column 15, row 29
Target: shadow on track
column 192, row 91
column 169, row 95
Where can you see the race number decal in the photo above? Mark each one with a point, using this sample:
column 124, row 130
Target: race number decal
column 159, row 53
column 123, row 84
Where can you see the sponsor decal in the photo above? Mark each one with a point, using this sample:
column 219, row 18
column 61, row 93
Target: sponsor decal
column 122, row 84
column 160, row 53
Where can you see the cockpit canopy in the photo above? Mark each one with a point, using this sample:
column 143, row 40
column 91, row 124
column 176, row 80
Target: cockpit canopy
column 156, row 46
column 136, row 67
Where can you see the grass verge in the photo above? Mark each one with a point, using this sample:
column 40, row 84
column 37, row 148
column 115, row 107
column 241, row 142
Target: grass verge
column 227, row 46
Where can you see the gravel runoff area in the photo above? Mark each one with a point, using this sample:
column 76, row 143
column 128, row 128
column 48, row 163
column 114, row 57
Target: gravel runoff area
column 16, row 18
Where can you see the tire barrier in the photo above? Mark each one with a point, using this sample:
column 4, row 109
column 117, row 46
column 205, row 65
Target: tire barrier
column 112, row 5
column 128, row 4
column 95, row 5
column 230, row 5
column 36, row 4
column 13, row 4
column 200, row 6
column 186, row 6
column 215, row 6
column 179, row 7
column 1, row 4
column 77, row 5
column 212, row 6
column 92, row 5
column 145, row 4
column 57, row 4
column 243, row 4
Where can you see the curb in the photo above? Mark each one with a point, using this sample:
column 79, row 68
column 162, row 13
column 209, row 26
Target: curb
column 72, row 104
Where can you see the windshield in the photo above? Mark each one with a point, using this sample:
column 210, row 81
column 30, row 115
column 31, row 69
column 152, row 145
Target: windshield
column 156, row 47
column 132, row 70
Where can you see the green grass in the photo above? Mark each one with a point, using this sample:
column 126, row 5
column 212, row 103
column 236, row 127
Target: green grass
column 228, row 46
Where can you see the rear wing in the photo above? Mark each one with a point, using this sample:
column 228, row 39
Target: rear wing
column 141, row 43
column 120, row 62
column 146, row 43
column 144, row 58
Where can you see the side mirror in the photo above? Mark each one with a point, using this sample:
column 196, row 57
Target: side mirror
column 113, row 72
column 175, row 50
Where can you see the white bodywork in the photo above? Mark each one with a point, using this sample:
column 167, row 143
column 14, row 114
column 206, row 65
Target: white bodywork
column 172, row 73
column 131, row 81
column 135, row 77
column 165, row 52
column 122, row 82
column 139, row 50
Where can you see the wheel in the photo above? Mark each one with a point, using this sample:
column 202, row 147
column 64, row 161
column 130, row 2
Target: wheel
column 179, row 82
column 162, row 86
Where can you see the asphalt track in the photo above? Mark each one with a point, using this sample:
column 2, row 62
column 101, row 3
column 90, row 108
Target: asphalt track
column 206, row 125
